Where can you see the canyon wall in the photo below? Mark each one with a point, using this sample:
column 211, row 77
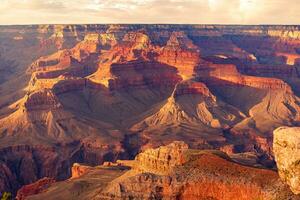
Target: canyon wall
column 96, row 93
column 286, row 151
column 172, row 172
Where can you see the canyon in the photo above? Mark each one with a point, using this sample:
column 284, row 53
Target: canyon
column 169, row 172
column 102, row 94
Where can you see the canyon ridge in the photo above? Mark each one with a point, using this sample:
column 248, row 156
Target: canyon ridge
column 148, row 111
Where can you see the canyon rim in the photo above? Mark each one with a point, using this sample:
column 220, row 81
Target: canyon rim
column 132, row 100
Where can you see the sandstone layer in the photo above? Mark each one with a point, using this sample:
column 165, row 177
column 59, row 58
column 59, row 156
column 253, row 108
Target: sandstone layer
column 173, row 172
column 97, row 93
column 286, row 151
column 34, row 188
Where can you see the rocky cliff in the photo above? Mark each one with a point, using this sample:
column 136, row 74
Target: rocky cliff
column 161, row 160
column 286, row 151
column 96, row 93
column 173, row 172
column 79, row 170
column 34, row 188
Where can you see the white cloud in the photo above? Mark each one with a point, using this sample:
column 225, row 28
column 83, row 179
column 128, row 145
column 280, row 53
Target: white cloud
column 150, row 11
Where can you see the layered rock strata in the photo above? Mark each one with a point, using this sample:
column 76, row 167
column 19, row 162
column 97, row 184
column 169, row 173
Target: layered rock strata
column 102, row 92
column 34, row 188
column 286, row 152
column 174, row 172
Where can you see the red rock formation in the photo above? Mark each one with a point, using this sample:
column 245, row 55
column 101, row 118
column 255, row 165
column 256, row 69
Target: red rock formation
column 34, row 188
column 286, row 152
column 226, row 74
column 199, row 175
column 142, row 73
column 68, row 85
column 181, row 53
column 79, row 170
column 276, row 71
column 162, row 159
column 132, row 63
column 40, row 100
column 58, row 61
column 112, row 77
column 92, row 44
column 133, row 49
column 191, row 174
column 191, row 87
column 290, row 58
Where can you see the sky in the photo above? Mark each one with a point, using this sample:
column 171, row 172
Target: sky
column 149, row 11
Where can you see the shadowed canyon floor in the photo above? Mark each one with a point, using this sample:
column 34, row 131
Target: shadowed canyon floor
column 96, row 93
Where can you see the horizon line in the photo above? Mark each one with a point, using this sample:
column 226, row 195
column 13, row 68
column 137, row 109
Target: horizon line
column 212, row 24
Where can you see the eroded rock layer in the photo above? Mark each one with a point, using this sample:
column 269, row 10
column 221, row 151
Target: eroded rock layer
column 173, row 172
column 286, row 151
column 97, row 93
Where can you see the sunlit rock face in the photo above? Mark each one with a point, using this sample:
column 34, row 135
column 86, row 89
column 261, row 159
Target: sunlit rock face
column 79, row 170
column 287, row 155
column 97, row 93
column 180, row 52
column 163, row 159
column 173, row 171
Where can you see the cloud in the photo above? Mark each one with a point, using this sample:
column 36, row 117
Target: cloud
column 150, row 11
column 30, row 5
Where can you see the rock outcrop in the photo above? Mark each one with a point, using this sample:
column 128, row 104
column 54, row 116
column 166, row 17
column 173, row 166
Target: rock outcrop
column 34, row 188
column 79, row 170
column 174, row 172
column 41, row 100
column 142, row 74
column 194, row 175
column 191, row 87
column 161, row 160
column 286, row 152
column 227, row 74
column 98, row 93
column 182, row 53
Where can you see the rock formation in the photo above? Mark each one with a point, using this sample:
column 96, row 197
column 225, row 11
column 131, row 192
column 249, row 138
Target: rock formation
column 174, row 172
column 34, row 188
column 78, row 170
column 97, row 93
column 161, row 160
column 180, row 52
column 286, row 152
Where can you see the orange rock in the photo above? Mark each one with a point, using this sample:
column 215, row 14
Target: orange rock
column 79, row 170
column 181, row 53
column 162, row 159
column 227, row 74
column 290, row 58
column 43, row 99
column 202, row 175
column 34, row 188
column 125, row 75
column 191, row 87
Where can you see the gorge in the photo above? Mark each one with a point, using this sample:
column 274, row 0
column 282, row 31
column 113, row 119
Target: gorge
column 111, row 96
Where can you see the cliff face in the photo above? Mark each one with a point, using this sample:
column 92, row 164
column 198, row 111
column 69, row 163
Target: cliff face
column 182, row 53
column 193, row 174
column 34, row 188
column 286, row 151
column 174, row 172
column 96, row 93
column 79, row 170
column 161, row 160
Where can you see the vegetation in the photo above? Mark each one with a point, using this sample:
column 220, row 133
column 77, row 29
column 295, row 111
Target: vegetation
column 6, row 196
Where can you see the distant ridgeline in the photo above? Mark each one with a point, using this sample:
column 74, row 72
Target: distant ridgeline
column 98, row 93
